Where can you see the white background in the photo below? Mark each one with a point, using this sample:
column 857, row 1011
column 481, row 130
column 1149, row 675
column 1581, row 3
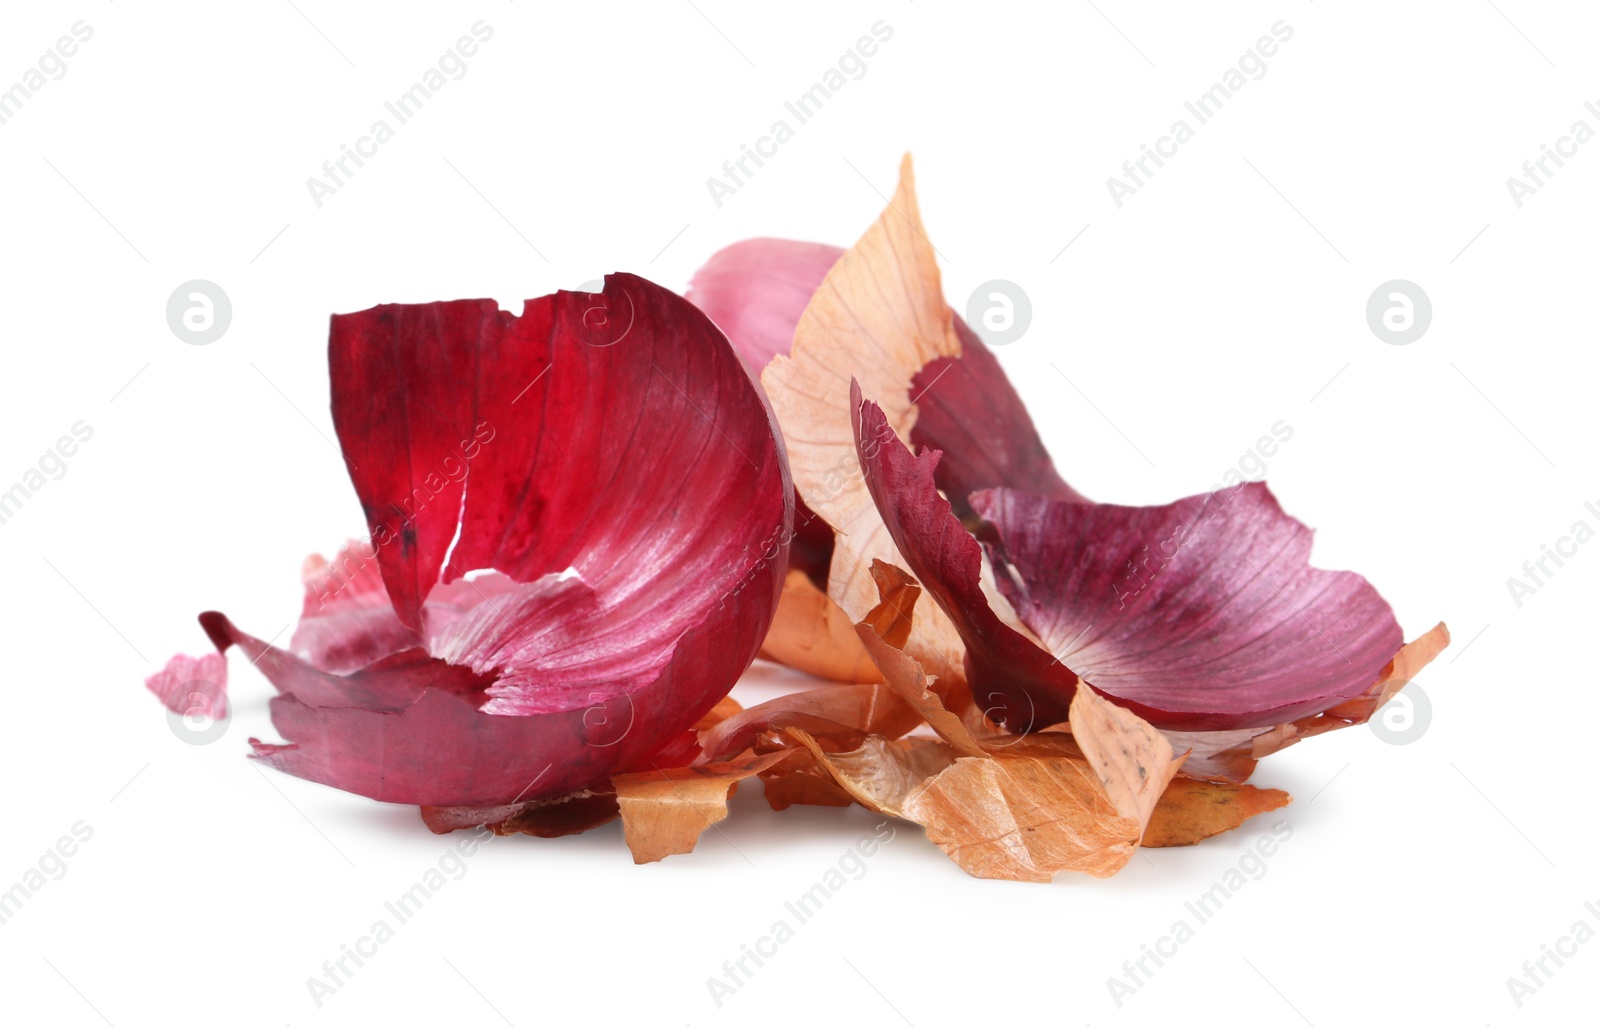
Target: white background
column 1227, row 294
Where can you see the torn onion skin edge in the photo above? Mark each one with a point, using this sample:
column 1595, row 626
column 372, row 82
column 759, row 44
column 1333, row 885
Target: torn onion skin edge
column 581, row 519
column 1288, row 641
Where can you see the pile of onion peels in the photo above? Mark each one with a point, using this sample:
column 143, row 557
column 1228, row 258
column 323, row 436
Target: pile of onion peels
column 587, row 520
